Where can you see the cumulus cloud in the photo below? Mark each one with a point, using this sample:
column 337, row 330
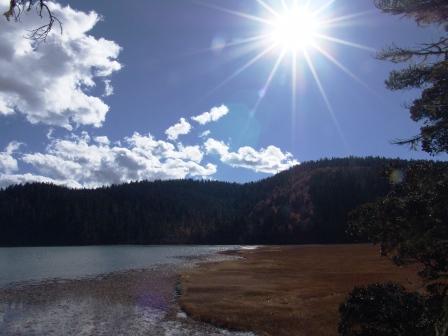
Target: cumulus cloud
column 183, row 127
column 268, row 160
column 79, row 161
column 52, row 82
column 82, row 161
column 215, row 114
column 8, row 163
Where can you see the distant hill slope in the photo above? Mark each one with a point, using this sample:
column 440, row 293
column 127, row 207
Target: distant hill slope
column 306, row 204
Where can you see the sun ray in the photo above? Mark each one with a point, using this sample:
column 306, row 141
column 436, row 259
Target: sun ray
column 323, row 7
column 243, row 68
column 236, row 13
column 325, row 98
column 246, row 41
column 293, row 92
column 346, row 43
column 331, row 22
column 347, row 71
column 294, row 81
column 340, row 66
column 268, row 8
column 285, row 5
column 266, row 86
column 295, row 27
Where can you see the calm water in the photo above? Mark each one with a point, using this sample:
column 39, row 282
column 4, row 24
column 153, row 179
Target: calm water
column 137, row 297
column 40, row 263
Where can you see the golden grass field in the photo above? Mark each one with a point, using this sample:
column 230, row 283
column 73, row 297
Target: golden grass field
column 291, row 290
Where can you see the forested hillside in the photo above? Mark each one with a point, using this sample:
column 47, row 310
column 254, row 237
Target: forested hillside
column 306, row 204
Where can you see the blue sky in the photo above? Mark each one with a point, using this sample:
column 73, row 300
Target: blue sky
column 162, row 68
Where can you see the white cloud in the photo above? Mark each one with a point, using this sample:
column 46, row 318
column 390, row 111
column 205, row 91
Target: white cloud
column 270, row 160
column 80, row 162
column 205, row 134
column 13, row 147
column 12, row 179
column 215, row 114
column 102, row 140
column 50, row 133
column 8, row 163
column 108, row 88
column 213, row 146
column 181, row 128
column 51, row 83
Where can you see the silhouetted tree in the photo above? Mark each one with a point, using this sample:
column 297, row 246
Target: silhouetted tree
column 411, row 226
column 423, row 11
column 428, row 71
column 385, row 310
column 17, row 7
column 411, row 222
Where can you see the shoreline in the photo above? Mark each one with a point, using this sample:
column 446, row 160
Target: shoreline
column 132, row 302
column 285, row 290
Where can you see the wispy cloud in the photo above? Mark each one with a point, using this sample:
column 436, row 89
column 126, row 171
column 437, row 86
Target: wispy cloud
column 8, row 163
column 108, row 88
column 205, row 134
column 215, row 114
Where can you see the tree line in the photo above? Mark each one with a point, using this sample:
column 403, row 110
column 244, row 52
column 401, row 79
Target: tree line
column 309, row 203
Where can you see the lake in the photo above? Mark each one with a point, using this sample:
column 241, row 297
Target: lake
column 98, row 290
column 19, row 264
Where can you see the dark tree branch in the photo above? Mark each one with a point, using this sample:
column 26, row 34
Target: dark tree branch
column 423, row 11
column 17, row 7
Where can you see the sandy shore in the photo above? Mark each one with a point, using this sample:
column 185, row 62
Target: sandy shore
column 293, row 290
column 138, row 302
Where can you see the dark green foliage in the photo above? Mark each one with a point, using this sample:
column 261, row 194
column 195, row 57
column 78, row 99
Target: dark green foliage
column 307, row 204
column 142, row 213
column 335, row 190
column 411, row 222
column 423, row 11
column 427, row 72
column 385, row 310
column 432, row 107
column 411, row 226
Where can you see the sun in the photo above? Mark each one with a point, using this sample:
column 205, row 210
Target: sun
column 304, row 30
column 296, row 29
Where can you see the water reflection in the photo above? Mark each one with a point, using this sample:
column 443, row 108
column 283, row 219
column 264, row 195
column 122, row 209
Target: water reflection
column 135, row 302
column 39, row 263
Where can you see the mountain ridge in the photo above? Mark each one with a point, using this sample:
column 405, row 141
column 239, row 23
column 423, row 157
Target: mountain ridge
column 308, row 203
